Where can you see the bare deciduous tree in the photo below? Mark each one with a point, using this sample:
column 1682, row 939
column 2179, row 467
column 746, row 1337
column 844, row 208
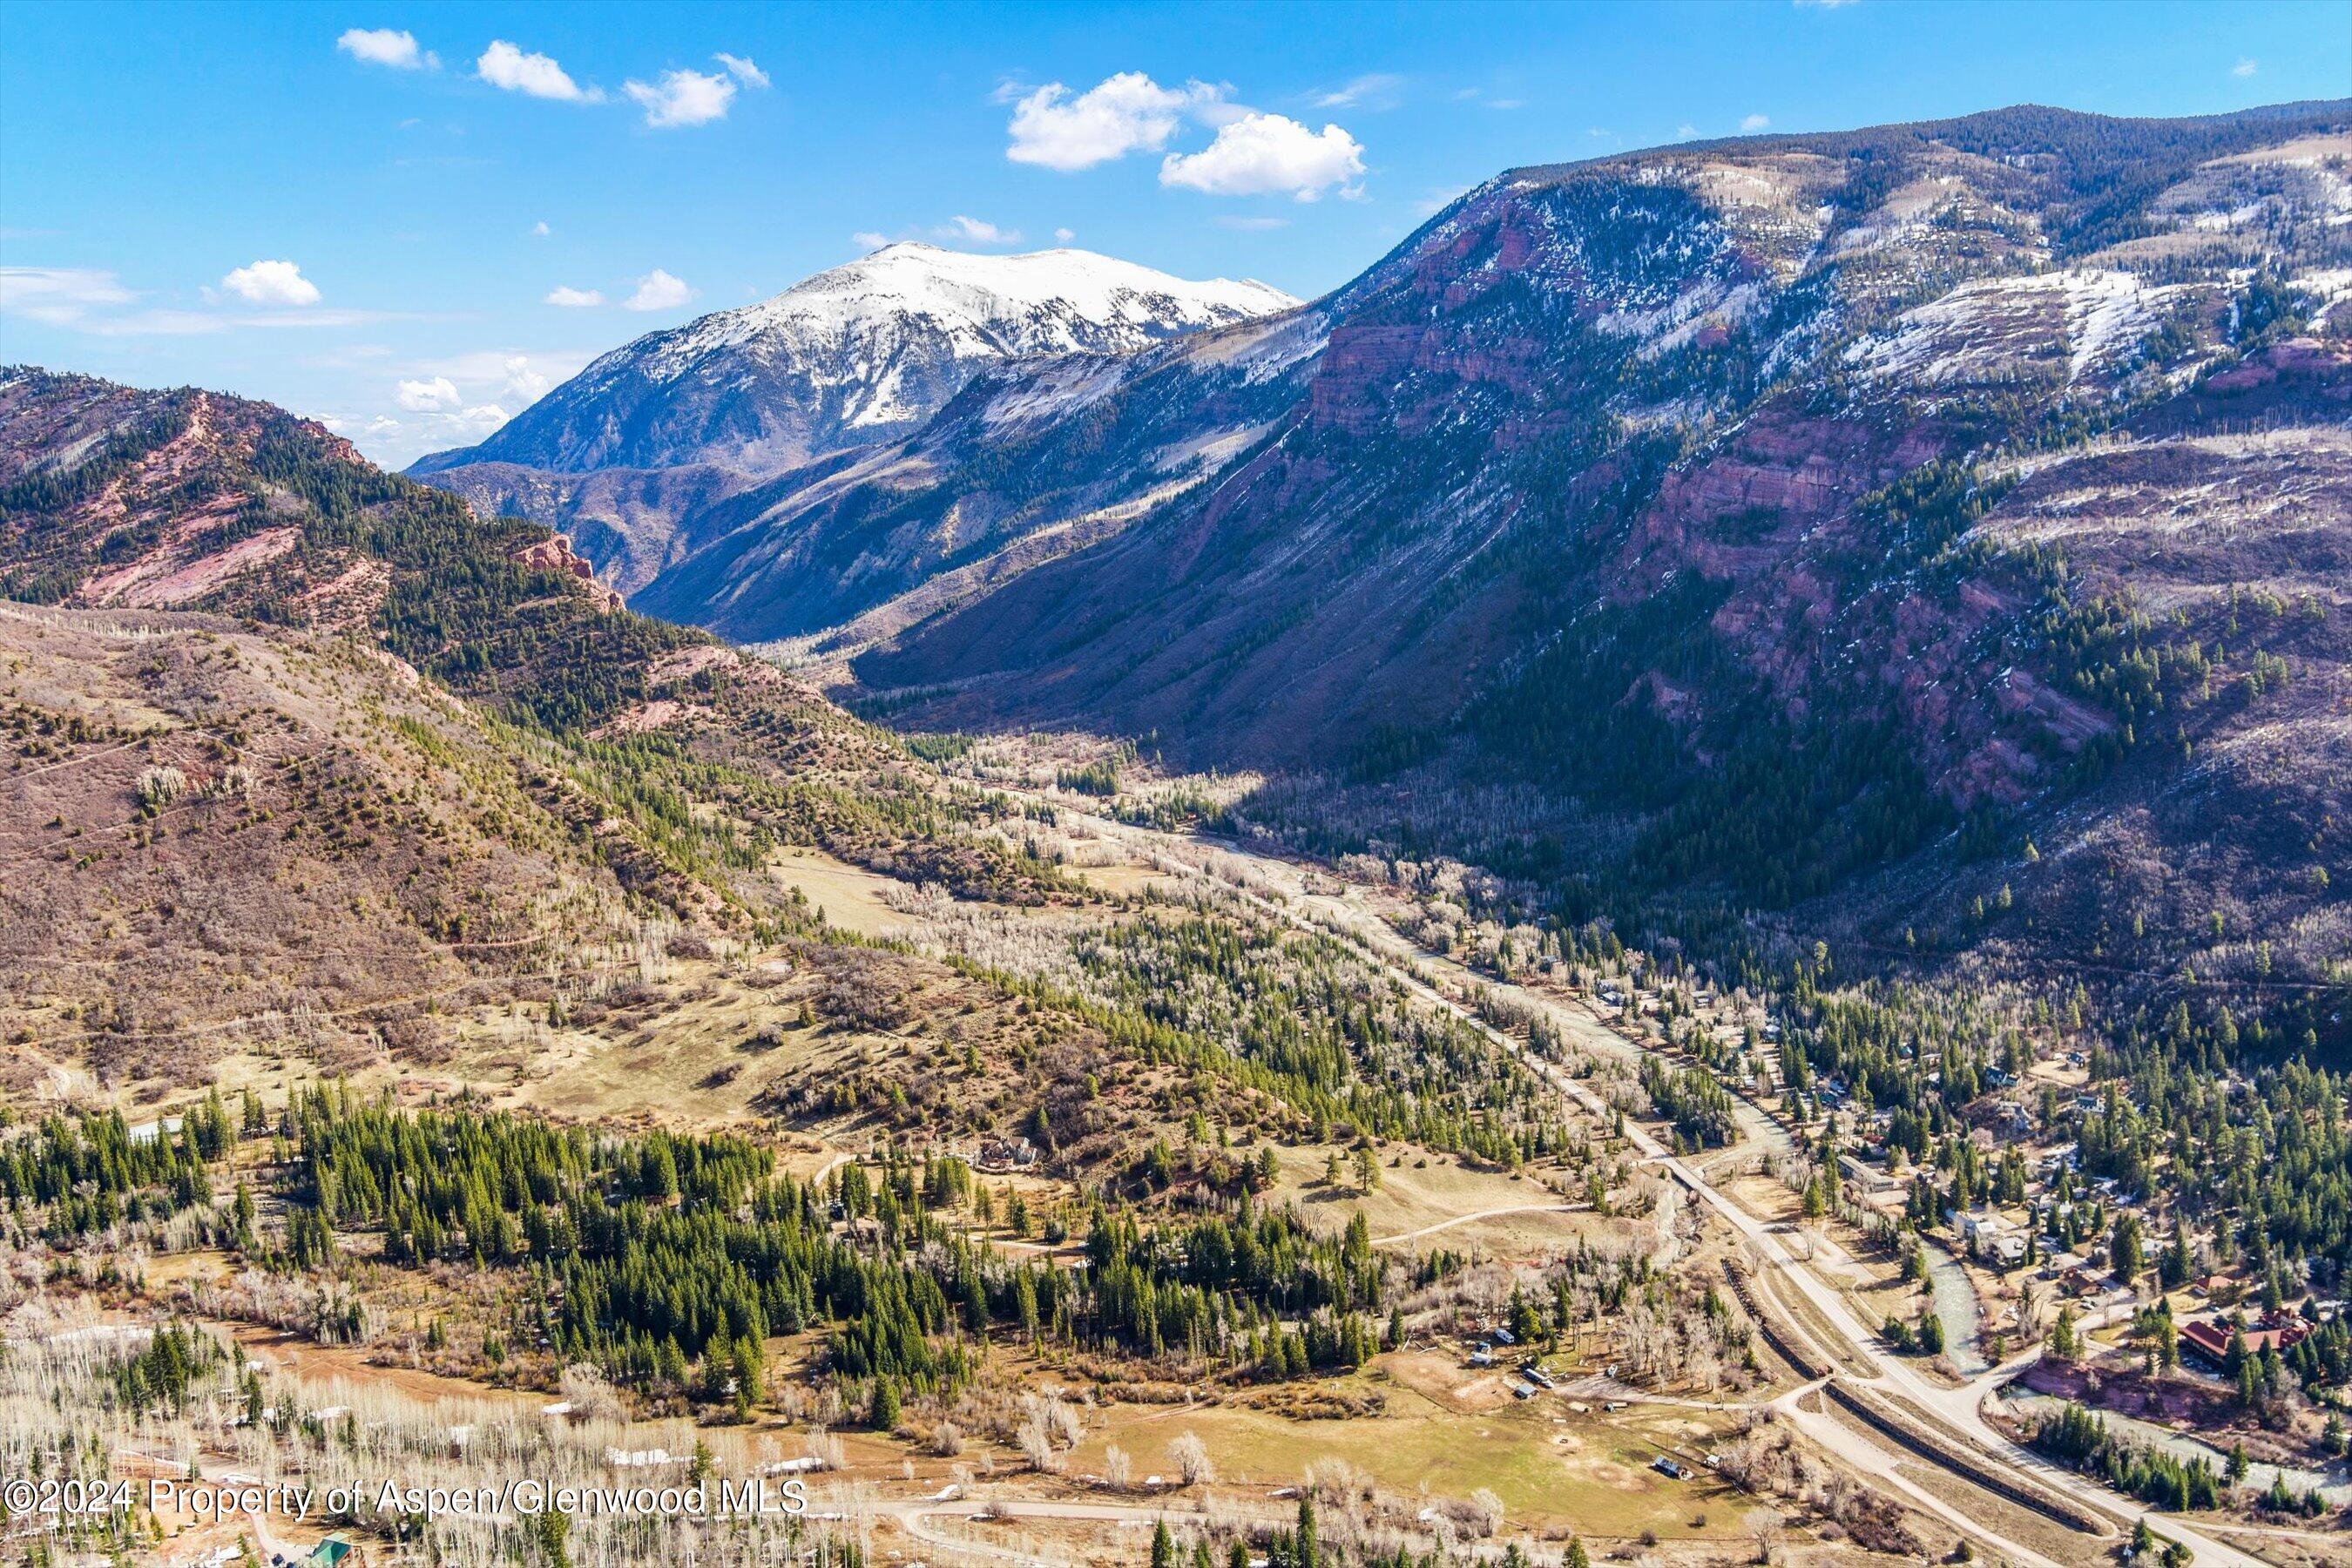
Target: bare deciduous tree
column 1191, row 1457
column 1037, row 1448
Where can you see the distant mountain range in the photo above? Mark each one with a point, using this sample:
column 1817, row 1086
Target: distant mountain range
column 861, row 354
column 1936, row 530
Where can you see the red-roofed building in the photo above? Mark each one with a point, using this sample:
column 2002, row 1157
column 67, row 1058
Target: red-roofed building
column 2210, row 1337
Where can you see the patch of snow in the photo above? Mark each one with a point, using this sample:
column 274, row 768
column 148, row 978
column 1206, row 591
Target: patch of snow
column 1213, row 449
column 885, row 402
column 2236, row 217
column 2330, row 285
column 1053, row 388
column 1667, row 327
column 1962, row 334
column 2106, row 312
column 2001, row 325
column 1263, row 350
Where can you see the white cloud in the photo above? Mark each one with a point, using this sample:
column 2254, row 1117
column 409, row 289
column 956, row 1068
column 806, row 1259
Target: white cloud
column 979, row 231
column 574, row 298
column 525, row 379
column 1064, row 235
column 271, row 283
column 1259, row 154
column 2246, row 66
column 682, row 98
column 385, row 46
column 504, row 66
column 1755, row 122
column 58, row 295
column 867, row 239
column 742, row 69
column 1126, row 113
column 1823, row 5
column 483, row 374
column 444, row 419
column 83, row 299
column 349, row 425
column 453, row 401
column 1377, row 91
column 541, row 229
column 1251, row 224
column 657, row 291
column 434, row 395
column 1685, row 132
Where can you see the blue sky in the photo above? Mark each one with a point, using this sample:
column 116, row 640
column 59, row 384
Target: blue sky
column 364, row 211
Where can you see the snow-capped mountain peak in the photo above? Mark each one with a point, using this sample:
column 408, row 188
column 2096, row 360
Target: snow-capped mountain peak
column 1046, row 301
column 861, row 353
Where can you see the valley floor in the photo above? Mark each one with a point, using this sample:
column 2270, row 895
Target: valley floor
column 1393, row 1442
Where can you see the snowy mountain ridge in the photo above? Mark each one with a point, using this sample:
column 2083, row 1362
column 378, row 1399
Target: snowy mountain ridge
column 859, row 353
column 1045, row 301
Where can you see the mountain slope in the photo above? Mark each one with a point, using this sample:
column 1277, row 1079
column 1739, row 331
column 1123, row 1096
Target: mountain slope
column 1067, row 448
column 298, row 751
column 213, row 835
column 1029, row 461
column 1705, row 492
column 194, row 500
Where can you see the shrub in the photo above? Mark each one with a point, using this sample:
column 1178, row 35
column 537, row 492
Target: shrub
column 160, row 786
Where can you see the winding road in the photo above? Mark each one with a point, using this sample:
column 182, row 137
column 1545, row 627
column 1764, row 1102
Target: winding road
column 1952, row 1413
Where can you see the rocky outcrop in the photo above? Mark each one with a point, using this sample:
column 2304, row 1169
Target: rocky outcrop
column 555, row 554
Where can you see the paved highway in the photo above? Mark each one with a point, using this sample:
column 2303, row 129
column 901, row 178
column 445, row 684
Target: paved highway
column 1281, row 890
